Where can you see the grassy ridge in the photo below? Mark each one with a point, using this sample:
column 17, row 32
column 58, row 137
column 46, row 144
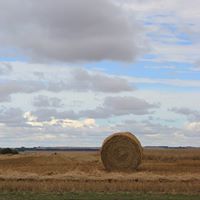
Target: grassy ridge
column 93, row 196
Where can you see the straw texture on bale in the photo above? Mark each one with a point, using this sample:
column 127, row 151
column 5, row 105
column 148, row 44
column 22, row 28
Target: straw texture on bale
column 121, row 152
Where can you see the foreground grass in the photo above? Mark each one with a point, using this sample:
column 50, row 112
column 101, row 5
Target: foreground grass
column 93, row 196
column 161, row 171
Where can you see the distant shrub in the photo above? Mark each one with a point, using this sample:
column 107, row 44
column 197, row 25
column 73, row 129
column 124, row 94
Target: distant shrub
column 8, row 151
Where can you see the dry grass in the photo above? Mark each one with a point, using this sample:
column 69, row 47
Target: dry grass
column 172, row 171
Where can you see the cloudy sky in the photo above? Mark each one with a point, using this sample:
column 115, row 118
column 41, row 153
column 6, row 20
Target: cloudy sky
column 73, row 72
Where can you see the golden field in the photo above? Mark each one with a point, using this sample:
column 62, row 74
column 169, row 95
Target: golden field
column 162, row 170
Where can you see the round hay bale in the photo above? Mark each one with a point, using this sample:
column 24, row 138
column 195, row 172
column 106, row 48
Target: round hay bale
column 121, row 152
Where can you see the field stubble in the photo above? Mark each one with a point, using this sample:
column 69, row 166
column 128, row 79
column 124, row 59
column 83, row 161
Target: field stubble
column 162, row 170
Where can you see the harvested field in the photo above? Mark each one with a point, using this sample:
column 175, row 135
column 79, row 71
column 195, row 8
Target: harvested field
column 168, row 171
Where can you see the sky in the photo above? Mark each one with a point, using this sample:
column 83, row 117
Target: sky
column 74, row 72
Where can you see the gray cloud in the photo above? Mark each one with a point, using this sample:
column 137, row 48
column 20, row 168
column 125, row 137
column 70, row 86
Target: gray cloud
column 45, row 114
column 4, row 97
column 116, row 106
column 189, row 113
column 83, row 80
column 112, row 106
column 79, row 80
column 39, row 75
column 16, row 86
column 156, row 134
column 146, row 128
column 45, row 101
column 5, row 68
column 11, row 116
column 197, row 65
column 68, row 30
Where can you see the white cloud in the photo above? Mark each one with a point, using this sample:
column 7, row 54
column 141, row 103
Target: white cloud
column 165, row 81
column 169, row 24
column 65, row 123
column 30, row 117
column 45, row 137
column 156, row 135
column 193, row 126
